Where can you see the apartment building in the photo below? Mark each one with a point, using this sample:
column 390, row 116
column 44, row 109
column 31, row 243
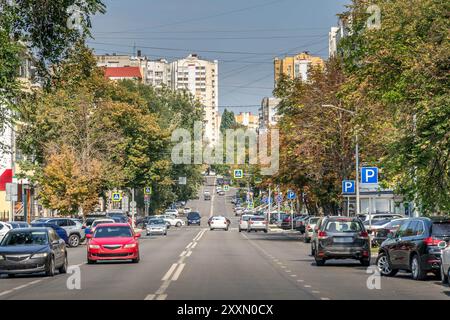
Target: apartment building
column 200, row 78
column 296, row 66
column 251, row 121
column 158, row 73
column 268, row 113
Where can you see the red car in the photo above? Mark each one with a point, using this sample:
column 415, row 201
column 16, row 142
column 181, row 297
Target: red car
column 113, row 241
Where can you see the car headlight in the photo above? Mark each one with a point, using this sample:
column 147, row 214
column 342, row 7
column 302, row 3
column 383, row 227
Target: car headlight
column 2, row 258
column 130, row 245
column 94, row 246
column 39, row 255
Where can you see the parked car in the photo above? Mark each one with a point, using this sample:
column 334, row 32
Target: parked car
column 379, row 216
column 342, row 238
column 381, row 234
column 186, row 210
column 310, row 224
column 218, row 222
column 218, row 189
column 445, row 261
column 156, row 226
column 18, row 224
column 414, row 247
column 62, row 233
column 206, row 195
column 300, row 223
column 239, row 211
column 33, row 250
column 193, row 218
column 256, row 224
column 74, row 229
column 4, row 228
column 243, row 222
column 115, row 241
column 221, row 193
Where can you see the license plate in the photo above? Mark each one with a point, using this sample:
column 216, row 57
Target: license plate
column 343, row 240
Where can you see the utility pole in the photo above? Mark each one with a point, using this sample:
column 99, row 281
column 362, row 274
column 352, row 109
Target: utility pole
column 269, row 214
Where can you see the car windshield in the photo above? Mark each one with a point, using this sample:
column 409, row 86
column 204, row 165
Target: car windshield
column 193, row 215
column 119, row 219
column 110, row 232
column 28, row 238
column 441, row 229
column 156, row 221
column 343, row 226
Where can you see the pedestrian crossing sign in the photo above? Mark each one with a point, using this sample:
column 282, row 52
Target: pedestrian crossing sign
column 148, row 190
column 116, row 196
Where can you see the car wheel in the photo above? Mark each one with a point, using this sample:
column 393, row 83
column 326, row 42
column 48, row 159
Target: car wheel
column 11, row 275
column 211, row 229
column 307, row 240
column 239, row 229
column 136, row 260
column 319, row 262
column 63, row 268
column 416, row 270
column 178, row 224
column 74, row 240
column 89, row 261
column 265, row 231
column 384, row 265
column 248, row 230
column 50, row 270
column 365, row 262
column 313, row 252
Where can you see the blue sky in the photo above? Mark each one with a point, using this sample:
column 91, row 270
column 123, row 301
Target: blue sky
column 244, row 36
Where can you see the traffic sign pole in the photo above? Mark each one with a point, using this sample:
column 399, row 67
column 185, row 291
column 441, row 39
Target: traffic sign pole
column 357, row 175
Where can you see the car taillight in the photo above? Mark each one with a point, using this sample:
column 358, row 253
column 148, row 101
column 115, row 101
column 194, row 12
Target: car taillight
column 363, row 235
column 250, row 222
column 430, row 241
column 322, row 235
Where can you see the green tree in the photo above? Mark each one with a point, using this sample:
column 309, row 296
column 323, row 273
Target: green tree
column 228, row 120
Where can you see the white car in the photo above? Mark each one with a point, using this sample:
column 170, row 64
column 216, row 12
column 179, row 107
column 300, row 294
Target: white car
column 218, row 189
column 4, row 228
column 445, row 262
column 173, row 212
column 100, row 221
column 172, row 220
column 218, row 223
column 243, row 222
column 310, row 224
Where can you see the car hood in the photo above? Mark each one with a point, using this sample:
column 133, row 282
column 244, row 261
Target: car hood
column 113, row 240
column 23, row 249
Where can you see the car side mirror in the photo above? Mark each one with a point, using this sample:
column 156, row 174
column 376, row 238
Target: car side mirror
column 442, row 245
column 137, row 235
column 89, row 236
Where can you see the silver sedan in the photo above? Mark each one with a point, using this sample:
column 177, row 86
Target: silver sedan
column 156, row 226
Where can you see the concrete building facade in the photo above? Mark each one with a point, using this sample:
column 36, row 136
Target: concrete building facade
column 248, row 119
column 296, row 66
column 268, row 113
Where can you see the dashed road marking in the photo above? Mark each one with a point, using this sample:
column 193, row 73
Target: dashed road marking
column 169, row 272
column 307, row 286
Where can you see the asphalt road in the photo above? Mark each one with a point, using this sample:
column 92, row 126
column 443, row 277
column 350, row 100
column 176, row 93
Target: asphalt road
column 194, row 263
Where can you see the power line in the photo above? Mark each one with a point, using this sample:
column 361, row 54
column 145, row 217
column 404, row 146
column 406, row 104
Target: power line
column 214, row 38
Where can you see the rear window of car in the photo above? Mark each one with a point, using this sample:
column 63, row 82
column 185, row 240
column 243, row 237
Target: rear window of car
column 441, row 229
column 343, row 226
column 257, row 218
column 193, row 215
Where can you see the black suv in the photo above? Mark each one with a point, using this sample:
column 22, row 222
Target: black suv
column 414, row 247
column 341, row 238
column 193, row 218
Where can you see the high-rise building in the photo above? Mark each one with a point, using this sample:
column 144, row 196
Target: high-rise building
column 159, row 73
column 247, row 119
column 296, row 66
column 268, row 113
column 200, row 78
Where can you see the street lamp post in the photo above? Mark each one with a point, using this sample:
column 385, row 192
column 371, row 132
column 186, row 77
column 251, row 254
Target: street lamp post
column 353, row 113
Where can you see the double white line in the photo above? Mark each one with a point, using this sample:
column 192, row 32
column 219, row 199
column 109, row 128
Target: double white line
column 175, row 269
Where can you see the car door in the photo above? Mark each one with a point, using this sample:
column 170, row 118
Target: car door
column 56, row 245
column 393, row 246
column 405, row 244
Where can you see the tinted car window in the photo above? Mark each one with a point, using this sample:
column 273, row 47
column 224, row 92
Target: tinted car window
column 410, row 229
column 106, row 232
column 343, row 226
column 441, row 229
column 193, row 215
column 71, row 223
column 25, row 238
column 257, row 219
column 418, row 228
column 402, row 230
column 156, row 221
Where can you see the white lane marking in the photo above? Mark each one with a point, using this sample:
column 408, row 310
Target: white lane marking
column 162, row 297
column 194, row 245
column 307, row 286
column 315, row 291
column 35, row 281
column 183, row 253
column 5, row 292
column 150, row 297
column 299, row 280
column 189, row 245
column 169, row 273
column 178, row 272
column 281, row 266
column 325, row 299
column 189, row 254
column 293, row 275
column 22, row 286
column 198, row 235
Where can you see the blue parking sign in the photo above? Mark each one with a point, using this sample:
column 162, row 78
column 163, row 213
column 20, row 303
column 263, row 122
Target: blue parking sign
column 348, row 186
column 369, row 175
column 290, row 195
